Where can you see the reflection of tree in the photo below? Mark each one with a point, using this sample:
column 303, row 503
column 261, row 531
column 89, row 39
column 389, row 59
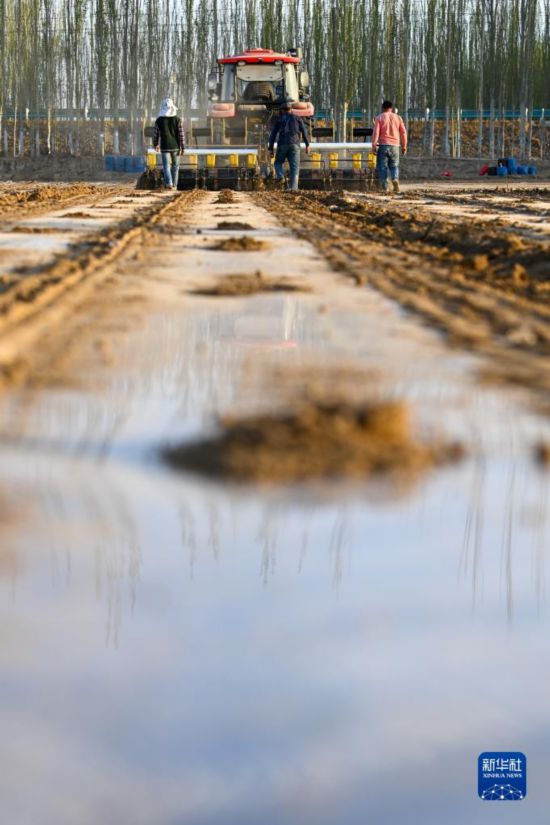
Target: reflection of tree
column 507, row 535
column 303, row 550
column 115, row 545
column 471, row 556
column 539, row 570
column 214, row 534
column 339, row 538
column 188, row 534
column 275, row 519
column 267, row 538
column 88, row 518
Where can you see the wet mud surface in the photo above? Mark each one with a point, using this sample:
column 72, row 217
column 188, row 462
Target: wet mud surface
column 35, row 293
column 485, row 252
column 183, row 647
column 486, row 287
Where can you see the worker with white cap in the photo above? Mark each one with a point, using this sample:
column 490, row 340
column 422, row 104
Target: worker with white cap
column 169, row 140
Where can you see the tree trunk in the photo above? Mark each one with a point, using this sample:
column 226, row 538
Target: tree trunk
column 492, row 126
column 522, row 131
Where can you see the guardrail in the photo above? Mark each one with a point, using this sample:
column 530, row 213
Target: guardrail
column 440, row 114
column 123, row 114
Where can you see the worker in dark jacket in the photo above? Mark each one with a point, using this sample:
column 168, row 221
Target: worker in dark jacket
column 287, row 132
column 169, row 140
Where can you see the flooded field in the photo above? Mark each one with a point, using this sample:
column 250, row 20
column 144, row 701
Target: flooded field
column 320, row 647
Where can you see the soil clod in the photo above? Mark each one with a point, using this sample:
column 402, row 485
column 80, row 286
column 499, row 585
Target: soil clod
column 249, row 284
column 318, row 439
column 36, row 230
column 243, row 244
column 225, row 196
column 78, row 215
column 234, row 225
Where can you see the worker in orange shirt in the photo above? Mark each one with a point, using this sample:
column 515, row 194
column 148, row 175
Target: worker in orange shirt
column 389, row 134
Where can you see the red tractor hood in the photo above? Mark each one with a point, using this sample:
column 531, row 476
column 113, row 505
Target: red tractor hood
column 259, row 56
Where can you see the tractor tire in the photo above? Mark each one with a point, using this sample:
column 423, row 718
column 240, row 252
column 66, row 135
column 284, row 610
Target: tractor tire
column 150, row 179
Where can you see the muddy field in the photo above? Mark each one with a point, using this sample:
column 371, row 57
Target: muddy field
column 472, row 262
column 286, row 450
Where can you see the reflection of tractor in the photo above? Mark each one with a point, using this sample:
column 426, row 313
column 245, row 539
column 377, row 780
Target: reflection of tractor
column 246, row 93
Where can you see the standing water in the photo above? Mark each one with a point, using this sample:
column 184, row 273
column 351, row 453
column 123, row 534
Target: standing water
column 177, row 650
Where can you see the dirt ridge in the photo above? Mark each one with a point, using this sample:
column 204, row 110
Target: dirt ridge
column 45, row 198
column 504, row 321
column 40, row 292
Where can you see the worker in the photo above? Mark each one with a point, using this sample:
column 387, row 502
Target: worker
column 287, row 131
column 169, row 140
column 388, row 135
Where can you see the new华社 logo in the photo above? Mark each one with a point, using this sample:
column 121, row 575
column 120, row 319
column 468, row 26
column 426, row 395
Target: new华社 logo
column 502, row 776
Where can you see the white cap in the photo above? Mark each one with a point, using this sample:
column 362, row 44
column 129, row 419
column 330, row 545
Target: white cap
column 167, row 108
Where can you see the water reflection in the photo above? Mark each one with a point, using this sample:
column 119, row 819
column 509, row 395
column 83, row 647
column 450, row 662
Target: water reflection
column 105, row 519
column 507, row 539
column 279, row 634
column 470, row 560
column 91, row 518
column 175, row 651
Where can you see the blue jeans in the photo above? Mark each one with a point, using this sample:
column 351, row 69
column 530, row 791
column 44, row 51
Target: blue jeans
column 387, row 157
column 290, row 152
column 171, row 178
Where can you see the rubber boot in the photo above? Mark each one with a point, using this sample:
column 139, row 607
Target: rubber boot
column 396, row 189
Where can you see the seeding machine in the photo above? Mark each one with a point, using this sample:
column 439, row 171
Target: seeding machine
column 229, row 149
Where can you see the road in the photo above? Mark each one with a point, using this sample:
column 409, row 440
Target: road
column 180, row 648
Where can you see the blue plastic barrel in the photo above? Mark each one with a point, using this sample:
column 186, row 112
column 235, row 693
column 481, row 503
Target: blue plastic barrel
column 139, row 163
column 109, row 163
column 501, row 171
column 532, row 170
column 511, row 165
column 129, row 164
column 120, row 163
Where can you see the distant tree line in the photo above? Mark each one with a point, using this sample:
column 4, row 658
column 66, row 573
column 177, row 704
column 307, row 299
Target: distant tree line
column 425, row 54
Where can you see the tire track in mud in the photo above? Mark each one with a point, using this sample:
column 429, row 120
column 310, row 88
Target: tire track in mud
column 18, row 205
column 504, row 316
column 518, row 211
column 492, row 254
column 42, row 296
column 495, row 199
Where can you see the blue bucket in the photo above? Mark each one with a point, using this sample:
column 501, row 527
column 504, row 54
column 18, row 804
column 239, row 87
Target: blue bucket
column 120, row 163
column 532, row 170
column 501, row 171
column 139, row 164
column 511, row 165
column 109, row 163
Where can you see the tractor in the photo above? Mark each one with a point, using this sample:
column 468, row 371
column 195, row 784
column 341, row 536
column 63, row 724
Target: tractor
column 228, row 149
